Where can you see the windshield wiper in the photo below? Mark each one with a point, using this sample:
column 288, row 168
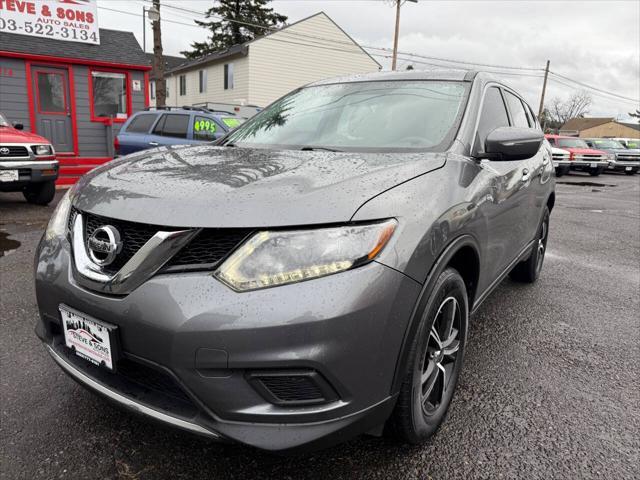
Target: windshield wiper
column 310, row 149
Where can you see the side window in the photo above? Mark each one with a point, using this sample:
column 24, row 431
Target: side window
column 141, row 123
column 204, row 128
column 494, row 115
column 518, row 115
column 172, row 126
column 551, row 140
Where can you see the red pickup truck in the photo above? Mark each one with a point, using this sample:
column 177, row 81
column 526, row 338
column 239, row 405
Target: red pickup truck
column 27, row 164
column 581, row 157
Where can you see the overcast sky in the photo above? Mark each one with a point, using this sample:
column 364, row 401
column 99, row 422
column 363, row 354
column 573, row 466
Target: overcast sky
column 593, row 42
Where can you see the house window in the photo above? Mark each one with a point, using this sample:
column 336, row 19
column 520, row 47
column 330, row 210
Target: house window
column 183, row 85
column 202, row 81
column 152, row 89
column 109, row 95
column 228, row 76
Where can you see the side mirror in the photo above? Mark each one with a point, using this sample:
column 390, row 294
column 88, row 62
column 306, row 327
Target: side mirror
column 512, row 143
column 18, row 126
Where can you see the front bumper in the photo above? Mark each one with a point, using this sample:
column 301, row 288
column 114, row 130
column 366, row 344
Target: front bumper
column 623, row 166
column 346, row 327
column 29, row 171
column 587, row 164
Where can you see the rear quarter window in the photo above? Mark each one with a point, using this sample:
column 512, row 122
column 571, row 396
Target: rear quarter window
column 141, row 123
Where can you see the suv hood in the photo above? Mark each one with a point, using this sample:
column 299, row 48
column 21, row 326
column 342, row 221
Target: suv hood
column 11, row 135
column 208, row 186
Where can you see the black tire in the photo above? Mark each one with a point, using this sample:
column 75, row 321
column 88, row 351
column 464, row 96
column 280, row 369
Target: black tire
column 420, row 410
column 559, row 172
column 632, row 172
column 594, row 172
column 40, row 193
column 529, row 270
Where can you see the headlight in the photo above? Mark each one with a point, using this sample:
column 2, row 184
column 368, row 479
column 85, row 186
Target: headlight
column 611, row 157
column 42, row 149
column 272, row 258
column 58, row 222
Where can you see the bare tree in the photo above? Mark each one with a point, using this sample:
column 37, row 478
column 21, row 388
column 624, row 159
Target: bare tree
column 576, row 106
column 635, row 114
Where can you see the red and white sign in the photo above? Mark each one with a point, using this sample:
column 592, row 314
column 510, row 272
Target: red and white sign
column 70, row 20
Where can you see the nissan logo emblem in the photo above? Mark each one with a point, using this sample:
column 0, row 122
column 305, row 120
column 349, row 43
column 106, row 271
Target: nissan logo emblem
column 4, row 151
column 104, row 244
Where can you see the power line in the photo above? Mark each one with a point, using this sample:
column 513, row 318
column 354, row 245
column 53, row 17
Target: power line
column 594, row 88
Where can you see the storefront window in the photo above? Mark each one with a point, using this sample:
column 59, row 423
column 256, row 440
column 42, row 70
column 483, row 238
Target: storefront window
column 109, row 95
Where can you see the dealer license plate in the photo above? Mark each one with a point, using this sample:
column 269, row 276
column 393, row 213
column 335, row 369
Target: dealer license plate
column 594, row 165
column 628, row 169
column 9, row 175
column 87, row 337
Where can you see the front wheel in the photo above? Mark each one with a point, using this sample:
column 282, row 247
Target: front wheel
column 435, row 361
column 40, row 193
column 594, row 172
column 529, row 270
column 630, row 172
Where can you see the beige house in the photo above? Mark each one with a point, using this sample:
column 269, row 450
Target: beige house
column 600, row 128
column 262, row 70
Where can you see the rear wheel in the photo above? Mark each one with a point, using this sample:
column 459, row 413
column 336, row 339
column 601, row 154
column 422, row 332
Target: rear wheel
column 435, row 361
column 529, row 270
column 40, row 193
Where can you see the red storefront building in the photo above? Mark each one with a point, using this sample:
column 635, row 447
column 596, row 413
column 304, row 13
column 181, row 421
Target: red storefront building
column 75, row 94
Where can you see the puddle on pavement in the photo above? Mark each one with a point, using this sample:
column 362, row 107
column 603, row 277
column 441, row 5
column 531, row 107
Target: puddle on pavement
column 7, row 245
column 588, row 184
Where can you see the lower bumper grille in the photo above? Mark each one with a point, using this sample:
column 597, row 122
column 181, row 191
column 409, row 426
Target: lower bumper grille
column 146, row 385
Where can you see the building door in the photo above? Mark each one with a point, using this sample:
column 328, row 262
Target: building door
column 53, row 110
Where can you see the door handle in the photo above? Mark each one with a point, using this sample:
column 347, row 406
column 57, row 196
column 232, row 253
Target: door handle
column 154, row 144
column 525, row 175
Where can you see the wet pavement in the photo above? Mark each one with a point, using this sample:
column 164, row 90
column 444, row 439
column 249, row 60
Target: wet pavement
column 550, row 388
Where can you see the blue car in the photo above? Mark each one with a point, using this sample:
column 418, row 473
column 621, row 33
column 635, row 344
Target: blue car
column 155, row 127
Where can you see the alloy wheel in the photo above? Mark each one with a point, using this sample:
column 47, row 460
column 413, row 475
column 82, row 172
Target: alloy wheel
column 440, row 356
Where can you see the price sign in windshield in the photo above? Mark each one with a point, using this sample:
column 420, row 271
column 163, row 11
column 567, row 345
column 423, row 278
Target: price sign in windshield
column 73, row 21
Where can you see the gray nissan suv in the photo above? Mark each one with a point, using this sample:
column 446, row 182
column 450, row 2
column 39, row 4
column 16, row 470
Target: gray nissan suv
column 309, row 277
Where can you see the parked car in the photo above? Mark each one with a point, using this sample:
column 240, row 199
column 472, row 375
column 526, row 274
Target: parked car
column 155, row 127
column 581, row 157
column 293, row 286
column 621, row 159
column 27, row 163
column 561, row 161
column 631, row 143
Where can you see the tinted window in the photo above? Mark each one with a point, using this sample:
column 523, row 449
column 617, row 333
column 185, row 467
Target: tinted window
column 518, row 115
column 141, row 123
column 494, row 115
column 205, row 128
column 173, row 126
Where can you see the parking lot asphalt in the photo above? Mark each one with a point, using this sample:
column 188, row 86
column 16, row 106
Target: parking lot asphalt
column 550, row 388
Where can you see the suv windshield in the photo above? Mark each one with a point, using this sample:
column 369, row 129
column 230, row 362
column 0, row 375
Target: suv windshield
column 607, row 144
column 360, row 116
column 3, row 121
column 572, row 143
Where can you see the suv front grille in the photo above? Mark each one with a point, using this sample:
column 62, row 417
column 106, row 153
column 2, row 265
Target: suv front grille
column 208, row 247
column 10, row 151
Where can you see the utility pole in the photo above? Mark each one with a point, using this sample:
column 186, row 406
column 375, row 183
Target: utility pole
column 544, row 89
column 158, row 60
column 394, row 59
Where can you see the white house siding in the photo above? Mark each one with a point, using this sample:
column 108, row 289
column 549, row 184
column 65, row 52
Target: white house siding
column 310, row 50
column 215, row 84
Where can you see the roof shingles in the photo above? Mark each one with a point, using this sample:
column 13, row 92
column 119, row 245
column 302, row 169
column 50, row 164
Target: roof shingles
column 115, row 47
